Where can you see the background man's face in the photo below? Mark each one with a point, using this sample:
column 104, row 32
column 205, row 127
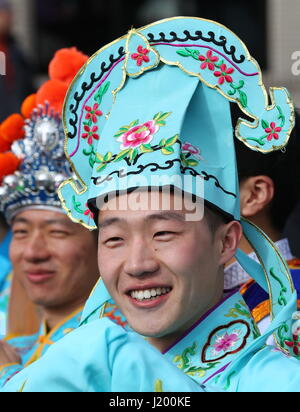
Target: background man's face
column 54, row 259
column 162, row 270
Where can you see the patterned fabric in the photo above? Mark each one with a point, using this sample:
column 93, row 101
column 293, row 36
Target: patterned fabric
column 236, row 276
column 223, row 351
column 31, row 348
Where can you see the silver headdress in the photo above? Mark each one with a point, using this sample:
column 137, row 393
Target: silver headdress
column 43, row 165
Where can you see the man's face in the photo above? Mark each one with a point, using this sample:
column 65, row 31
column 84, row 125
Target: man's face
column 54, row 259
column 161, row 270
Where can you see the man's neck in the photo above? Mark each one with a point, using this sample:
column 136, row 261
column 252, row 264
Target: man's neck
column 54, row 316
column 165, row 342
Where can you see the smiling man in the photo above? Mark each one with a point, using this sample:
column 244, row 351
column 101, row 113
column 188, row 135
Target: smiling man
column 54, row 261
column 164, row 271
column 165, row 91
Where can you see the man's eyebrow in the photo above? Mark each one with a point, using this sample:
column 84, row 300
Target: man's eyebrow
column 45, row 223
column 111, row 221
column 57, row 222
column 154, row 216
column 167, row 216
column 19, row 220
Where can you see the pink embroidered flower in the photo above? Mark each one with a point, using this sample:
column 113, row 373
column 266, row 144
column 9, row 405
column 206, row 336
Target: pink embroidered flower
column 273, row 131
column 193, row 150
column 90, row 134
column 93, row 113
column 208, row 61
column 138, row 135
column 141, row 57
column 88, row 212
column 224, row 74
column 225, row 342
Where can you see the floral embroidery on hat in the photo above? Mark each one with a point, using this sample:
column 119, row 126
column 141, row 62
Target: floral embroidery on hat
column 273, row 131
column 141, row 56
column 93, row 113
column 138, row 134
column 224, row 74
column 192, row 150
column 209, row 61
column 135, row 140
column 90, row 134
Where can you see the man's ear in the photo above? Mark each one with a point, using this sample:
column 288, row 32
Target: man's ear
column 230, row 236
column 256, row 193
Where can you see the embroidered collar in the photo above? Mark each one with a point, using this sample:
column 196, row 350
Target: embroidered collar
column 236, row 276
column 211, row 345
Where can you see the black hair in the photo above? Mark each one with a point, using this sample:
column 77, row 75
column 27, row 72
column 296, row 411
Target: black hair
column 282, row 166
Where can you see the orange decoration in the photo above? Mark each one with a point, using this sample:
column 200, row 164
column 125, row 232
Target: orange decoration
column 12, row 128
column 53, row 92
column 4, row 145
column 9, row 163
column 28, row 105
column 66, row 63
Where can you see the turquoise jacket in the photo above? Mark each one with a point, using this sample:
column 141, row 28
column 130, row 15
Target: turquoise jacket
column 31, row 348
column 5, row 282
column 101, row 357
column 223, row 351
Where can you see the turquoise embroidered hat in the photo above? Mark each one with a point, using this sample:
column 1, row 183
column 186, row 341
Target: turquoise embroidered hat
column 156, row 103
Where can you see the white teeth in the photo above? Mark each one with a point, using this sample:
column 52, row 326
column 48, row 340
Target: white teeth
column 148, row 293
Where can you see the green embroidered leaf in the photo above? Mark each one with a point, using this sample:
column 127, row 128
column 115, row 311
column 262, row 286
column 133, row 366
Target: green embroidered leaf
column 108, row 157
column 105, row 88
column 183, row 53
column 231, row 92
column 243, row 98
column 172, row 140
column 120, row 133
column 77, row 205
column 167, row 150
column 160, row 117
column 132, row 124
column 146, row 148
column 122, row 155
column 192, row 163
column 92, row 161
column 164, row 116
column 100, row 157
column 177, row 359
column 133, row 155
column 195, row 54
column 102, row 167
column 87, row 152
column 162, row 143
column 156, row 117
column 265, row 124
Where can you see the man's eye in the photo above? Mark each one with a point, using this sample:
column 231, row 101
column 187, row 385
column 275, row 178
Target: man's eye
column 19, row 232
column 113, row 240
column 59, row 233
column 164, row 234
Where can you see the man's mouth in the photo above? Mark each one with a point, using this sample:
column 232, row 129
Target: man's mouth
column 149, row 294
column 40, row 276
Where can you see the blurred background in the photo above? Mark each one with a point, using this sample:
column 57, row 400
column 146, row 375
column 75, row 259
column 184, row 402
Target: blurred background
column 37, row 28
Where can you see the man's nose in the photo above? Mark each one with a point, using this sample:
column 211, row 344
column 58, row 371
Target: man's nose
column 36, row 248
column 141, row 259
